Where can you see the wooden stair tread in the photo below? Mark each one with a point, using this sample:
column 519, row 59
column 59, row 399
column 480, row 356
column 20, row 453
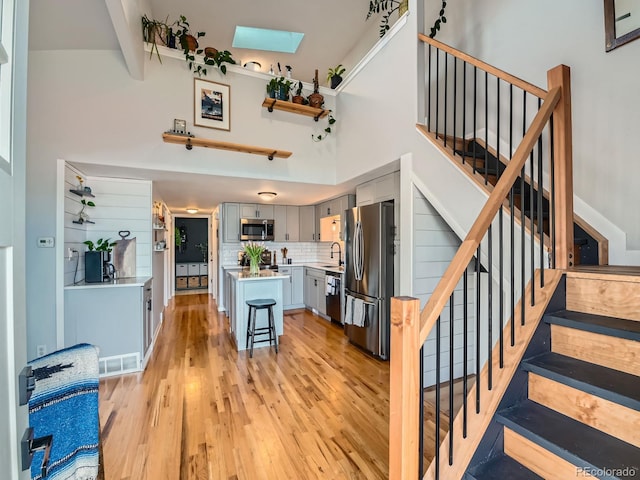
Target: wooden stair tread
column 606, row 272
column 607, row 383
column 575, row 442
column 500, row 468
column 614, row 327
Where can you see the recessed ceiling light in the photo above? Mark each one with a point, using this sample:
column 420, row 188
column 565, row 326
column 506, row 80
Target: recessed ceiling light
column 192, row 210
column 266, row 39
column 267, row 195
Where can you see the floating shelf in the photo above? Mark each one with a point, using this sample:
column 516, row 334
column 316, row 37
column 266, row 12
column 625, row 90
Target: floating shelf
column 191, row 142
column 85, row 221
column 272, row 104
column 159, row 227
column 82, row 193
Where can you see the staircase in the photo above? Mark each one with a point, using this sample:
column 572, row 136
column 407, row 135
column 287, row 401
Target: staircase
column 573, row 407
column 485, row 163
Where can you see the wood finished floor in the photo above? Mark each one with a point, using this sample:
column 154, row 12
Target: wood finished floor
column 319, row 409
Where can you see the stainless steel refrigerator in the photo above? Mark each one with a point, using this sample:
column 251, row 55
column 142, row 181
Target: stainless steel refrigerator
column 369, row 276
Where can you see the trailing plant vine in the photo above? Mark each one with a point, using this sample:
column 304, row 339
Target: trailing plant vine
column 327, row 130
column 440, row 20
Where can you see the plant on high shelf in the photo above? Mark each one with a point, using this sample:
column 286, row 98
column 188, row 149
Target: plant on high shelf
column 156, row 31
column 279, row 88
column 327, row 130
column 334, row 76
column 298, row 97
column 390, row 6
column 102, row 245
column 218, row 58
column 254, row 252
column 82, row 215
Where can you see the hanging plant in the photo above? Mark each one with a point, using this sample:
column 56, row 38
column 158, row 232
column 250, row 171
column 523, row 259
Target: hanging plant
column 388, row 6
column 327, row 131
column 440, row 20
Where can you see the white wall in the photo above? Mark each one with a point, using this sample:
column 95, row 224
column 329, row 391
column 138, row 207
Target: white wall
column 529, row 38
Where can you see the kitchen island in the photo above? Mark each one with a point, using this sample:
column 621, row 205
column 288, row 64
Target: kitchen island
column 243, row 287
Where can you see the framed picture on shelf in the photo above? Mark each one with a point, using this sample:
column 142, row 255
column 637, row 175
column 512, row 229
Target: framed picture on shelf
column 211, row 104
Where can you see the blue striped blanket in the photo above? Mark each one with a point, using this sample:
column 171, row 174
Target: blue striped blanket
column 65, row 404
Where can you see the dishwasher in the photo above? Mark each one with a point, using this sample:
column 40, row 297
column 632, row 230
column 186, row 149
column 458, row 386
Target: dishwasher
column 333, row 289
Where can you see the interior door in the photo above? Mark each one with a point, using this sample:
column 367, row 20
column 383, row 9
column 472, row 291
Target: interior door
column 13, row 343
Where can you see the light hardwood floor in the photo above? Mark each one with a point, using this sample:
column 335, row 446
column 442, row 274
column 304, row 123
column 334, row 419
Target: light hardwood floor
column 319, row 409
column 201, row 410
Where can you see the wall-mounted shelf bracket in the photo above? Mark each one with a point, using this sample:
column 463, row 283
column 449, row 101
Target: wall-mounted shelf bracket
column 190, row 141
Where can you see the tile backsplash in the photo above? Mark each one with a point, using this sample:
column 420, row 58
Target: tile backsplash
column 298, row 252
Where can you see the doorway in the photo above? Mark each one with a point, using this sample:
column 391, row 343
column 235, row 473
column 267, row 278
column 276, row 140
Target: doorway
column 192, row 241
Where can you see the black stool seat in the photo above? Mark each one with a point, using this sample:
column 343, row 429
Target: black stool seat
column 255, row 305
column 261, row 302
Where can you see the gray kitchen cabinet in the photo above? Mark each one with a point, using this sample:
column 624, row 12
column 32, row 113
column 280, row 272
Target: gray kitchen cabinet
column 231, row 222
column 337, row 206
column 256, row 210
column 286, row 223
column 293, row 287
column 314, row 290
column 308, row 230
column 117, row 318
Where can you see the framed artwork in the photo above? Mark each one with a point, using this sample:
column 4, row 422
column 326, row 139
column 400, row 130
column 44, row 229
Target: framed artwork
column 211, row 104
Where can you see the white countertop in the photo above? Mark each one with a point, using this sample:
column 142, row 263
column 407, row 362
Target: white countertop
column 120, row 282
column 244, row 275
column 319, row 266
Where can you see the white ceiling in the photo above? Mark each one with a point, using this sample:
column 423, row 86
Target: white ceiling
column 331, row 28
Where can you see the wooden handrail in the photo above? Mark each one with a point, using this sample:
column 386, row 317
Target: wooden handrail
column 518, row 82
column 467, row 250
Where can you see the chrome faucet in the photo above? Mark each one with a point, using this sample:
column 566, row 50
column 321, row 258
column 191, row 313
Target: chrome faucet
column 340, row 262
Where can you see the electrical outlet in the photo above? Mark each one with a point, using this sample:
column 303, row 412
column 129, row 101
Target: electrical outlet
column 41, row 350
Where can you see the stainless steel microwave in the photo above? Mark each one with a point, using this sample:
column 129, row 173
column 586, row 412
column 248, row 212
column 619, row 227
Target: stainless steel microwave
column 256, row 229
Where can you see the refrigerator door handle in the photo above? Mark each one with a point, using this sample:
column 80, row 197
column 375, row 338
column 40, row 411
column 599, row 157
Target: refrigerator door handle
column 357, row 251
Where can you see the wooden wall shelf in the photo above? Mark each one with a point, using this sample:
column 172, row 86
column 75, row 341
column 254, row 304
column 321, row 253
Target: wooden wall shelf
column 191, row 142
column 272, row 104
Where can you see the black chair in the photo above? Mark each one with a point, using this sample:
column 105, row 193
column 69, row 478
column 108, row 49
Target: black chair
column 252, row 331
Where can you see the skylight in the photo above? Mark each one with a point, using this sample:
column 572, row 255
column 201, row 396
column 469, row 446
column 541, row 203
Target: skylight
column 266, row 39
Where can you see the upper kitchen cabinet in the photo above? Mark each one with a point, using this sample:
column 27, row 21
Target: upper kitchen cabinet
column 337, row 206
column 231, row 222
column 286, row 223
column 308, row 230
column 256, row 210
column 380, row 189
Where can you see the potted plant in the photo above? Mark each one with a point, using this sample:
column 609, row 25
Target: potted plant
column 298, row 97
column 102, row 245
column 316, row 99
column 82, row 215
column 156, row 31
column 334, row 76
column 213, row 56
column 278, row 88
column 189, row 44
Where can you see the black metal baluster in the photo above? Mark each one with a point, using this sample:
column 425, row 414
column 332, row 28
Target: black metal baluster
column 429, row 90
column 552, row 207
column 421, row 438
column 486, row 128
column 501, row 296
column 437, row 90
column 498, row 127
column 490, row 308
column 540, row 212
column 532, row 246
column 522, row 218
column 475, row 112
column 455, row 105
column 464, row 110
column 478, row 267
column 446, row 85
column 465, row 355
column 451, row 411
column 437, row 419
column 512, row 207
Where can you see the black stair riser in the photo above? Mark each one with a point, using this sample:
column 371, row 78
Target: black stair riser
column 613, row 327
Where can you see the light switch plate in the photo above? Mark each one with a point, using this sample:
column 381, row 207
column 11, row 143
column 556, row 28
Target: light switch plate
column 46, row 242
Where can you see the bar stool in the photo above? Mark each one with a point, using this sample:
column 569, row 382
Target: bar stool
column 252, row 331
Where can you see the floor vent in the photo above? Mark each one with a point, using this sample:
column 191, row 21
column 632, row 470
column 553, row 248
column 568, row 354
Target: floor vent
column 119, row 364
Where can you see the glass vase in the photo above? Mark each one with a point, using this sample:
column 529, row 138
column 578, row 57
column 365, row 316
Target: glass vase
column 254, row 267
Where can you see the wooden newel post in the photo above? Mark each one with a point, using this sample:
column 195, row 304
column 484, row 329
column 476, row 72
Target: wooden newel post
column 560, row 76
column 404, row 389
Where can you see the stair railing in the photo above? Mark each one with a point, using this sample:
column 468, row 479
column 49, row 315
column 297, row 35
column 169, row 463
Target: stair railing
column 484, row 250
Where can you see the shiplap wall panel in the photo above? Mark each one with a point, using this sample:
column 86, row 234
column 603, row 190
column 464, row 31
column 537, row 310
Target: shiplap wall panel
column 121, row 204
column 435, row 244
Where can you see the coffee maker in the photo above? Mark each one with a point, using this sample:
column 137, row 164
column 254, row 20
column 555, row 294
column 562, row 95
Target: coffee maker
column 97, row 267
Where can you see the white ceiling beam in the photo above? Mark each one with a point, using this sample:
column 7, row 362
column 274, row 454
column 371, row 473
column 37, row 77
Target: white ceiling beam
column 125, row 16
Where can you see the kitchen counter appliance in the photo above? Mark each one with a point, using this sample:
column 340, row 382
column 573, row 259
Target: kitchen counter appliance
column 256, row 229
column 333, row 288
column 369, row 276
